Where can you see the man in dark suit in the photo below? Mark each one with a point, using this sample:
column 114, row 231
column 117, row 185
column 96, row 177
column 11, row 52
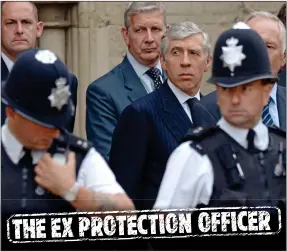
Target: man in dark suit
column 152, row 127
column 20, row 29
column 273, row 33
column 282, row 16
column 138, row 74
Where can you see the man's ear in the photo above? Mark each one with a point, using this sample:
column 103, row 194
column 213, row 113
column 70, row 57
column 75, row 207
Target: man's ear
column 40, row 28
column 208, row 63
column 163, row 63
column 267, row 90
column 125, row 35
column 283, row 59
column 9, row 112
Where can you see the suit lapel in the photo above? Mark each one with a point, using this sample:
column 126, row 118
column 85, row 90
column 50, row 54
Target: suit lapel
column 132, row 82
column 173, row 114
column 4, row 70
column 164, row 76
column 281, row 106
column 4, row 76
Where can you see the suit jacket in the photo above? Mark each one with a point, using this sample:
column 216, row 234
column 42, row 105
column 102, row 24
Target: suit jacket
column 282, row 77
column 147, row 133
column 208, row 111
column 74, row 89
column 106, row 98
column 4, row 76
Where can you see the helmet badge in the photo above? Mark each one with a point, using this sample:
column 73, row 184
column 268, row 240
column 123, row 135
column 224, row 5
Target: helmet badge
column 232, row 55
column 60, row 95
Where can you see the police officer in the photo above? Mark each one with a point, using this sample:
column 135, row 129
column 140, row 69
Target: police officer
column 239, row 162
column 45, row 169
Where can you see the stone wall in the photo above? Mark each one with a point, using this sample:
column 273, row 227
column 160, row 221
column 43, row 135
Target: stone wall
column 94, row 45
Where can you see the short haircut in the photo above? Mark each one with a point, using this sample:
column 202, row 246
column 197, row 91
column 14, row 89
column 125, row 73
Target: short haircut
column 181, row 31
column 32, row 3
column 143, row 7
column 270, row 16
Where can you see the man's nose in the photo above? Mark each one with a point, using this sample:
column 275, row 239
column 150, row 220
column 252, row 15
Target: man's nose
column 185, row 61
column 149, row 36
column 19, row 28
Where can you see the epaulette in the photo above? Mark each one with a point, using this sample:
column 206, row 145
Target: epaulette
column 200, row 133
column 197, row 147
column 78, row 143
column 73, row 142
column 277, row 131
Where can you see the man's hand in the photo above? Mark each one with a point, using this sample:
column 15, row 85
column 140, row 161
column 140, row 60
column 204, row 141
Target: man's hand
column 54, row 177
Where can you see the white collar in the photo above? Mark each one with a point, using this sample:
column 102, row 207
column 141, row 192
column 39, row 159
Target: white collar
column 139, row 68
column 261, row 139
column 9, row 63
column 180, row 95
column 14, row 148
column 273, row 93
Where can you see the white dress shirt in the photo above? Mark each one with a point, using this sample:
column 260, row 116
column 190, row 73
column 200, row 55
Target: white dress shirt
column 188, row 178
column 9, row 63
column 94, row 173
column 182, row 97
column 141, row 72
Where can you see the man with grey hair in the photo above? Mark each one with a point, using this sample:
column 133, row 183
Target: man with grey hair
column 138, row 74
column 152, row 127
column 273, row 33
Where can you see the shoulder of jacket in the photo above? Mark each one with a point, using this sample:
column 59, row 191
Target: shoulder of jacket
column 74, row 142
column 278, row 131
column 200, row 133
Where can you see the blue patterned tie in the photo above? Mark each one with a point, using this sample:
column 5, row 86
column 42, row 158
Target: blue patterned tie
column 154, row 73
column 266, row 116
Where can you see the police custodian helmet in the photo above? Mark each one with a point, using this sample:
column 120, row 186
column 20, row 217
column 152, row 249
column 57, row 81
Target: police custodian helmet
column 38, row 88
column 240, row 57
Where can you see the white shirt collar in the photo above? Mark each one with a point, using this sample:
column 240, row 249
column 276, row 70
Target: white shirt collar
column 14, row 148
column 9, row 63
column 261, row 139
column 273, row 93
column 180, row 95
column 139, row 68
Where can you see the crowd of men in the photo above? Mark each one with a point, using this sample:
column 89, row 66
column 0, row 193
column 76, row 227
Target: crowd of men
column 153, row 139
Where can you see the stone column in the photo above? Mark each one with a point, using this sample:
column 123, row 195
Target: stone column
column 54, row 16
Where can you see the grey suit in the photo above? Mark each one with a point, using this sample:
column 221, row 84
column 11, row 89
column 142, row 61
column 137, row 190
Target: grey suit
column 106, row 99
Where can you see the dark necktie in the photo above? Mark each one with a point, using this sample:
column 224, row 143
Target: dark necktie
column 250, row 140
column 190, row 102
column 25, row 163
column 154, row 74
column 266, row 116
column 26, row 160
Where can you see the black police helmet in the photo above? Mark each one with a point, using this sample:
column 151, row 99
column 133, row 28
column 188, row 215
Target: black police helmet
column 240, row 57
column 38, row 88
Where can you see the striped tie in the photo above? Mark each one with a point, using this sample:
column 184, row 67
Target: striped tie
column 266, row 117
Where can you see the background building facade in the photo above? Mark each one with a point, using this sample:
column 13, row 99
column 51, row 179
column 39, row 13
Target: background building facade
column 86, row 35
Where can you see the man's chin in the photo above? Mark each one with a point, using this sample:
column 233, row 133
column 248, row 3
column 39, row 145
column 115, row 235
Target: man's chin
column 153, row 56
column 21, row 47
column 238, row 121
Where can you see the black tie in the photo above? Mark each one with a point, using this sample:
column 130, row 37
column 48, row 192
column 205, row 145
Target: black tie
column 25, row 163
column 250, row 140
column 26, row 160
column 190, row 102
column 154, row 74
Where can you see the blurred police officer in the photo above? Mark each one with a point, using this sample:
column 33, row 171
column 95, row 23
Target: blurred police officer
column 20, row 29
column 239, row 162
column 46, row 169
